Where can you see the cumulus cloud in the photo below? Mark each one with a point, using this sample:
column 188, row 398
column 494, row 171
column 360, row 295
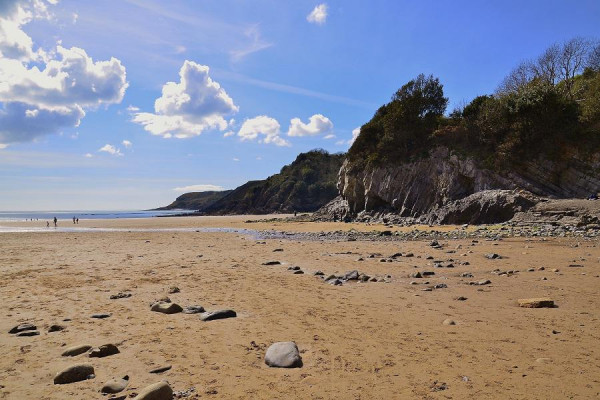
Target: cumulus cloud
column 317, row 125
column 263, row 128
column 127, row 144
column 42, row 92
column 318, row 15
column 229, row 133
column 110, row 149
column 188, row 108
column 355, row 133
column 330, row 136
column 199, row 188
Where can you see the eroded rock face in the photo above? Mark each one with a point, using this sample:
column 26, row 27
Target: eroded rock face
column 414, row 189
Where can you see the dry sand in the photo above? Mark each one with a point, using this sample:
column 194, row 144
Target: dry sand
column 358, row 341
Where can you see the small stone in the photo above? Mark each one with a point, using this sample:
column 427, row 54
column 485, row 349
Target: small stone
column 466, row 275
column 174, row 289
column 428, row 273
column 492, row 256
column 219, row 314
column 351, row 275
column 76, row 350
column 56, row 328
column 277, row 250
column 166, row 308
column 74, row 373
column 449, row 322
column 294, row 268
column 23, row 327
column 157, row 391
column 298, row 272
column 461, row 298
column 440, row 286
column 100, row 316
column 271, row 263
column 536, row 303
column 531, row 270
column 416, row 275
column 335, row 282
column 28, row 333
column 484, row 282
column 159, row 370
column 193, row 310
column 283, row 355
column 104, row 351
column 120, row 295
column 318, row 273
column 115, row 385
column 575, row 266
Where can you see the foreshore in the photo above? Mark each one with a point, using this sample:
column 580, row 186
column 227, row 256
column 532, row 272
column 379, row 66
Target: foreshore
column 388, row 337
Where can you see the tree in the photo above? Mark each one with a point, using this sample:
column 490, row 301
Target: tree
column 573, row 57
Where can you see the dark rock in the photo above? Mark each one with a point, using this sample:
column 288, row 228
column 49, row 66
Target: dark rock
column 55, row 328
column 428, row 273
column 193, row 310
column 120, row 295
column 351, row 275
column 298, row 272
column 159, row 370
column 27, row 333
column 22, row 327
column 74, row 373
column 104, row 351
column 174, row 289
column 295, row 268
column 492, row 256
column 76, row 350
column 416, row 275
column 283, row 355
column 318, row 273
column 166, row 308
column 271, row 263
column 115, row 385
column 100, row 316
column 219, row 314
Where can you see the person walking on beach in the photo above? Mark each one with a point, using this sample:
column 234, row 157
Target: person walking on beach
column 77, row 221
column 47, row 224
column 73, row 220
column 55, row 221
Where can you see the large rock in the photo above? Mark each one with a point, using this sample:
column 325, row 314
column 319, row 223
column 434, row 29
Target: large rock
column 536, row 303
column 219, row 314
column 157, row 391
column 104, row 351
column 75, row 373
column 76, row 350
column 283, row 355
column 166, row 308
column 22, row 328
column 115, row 385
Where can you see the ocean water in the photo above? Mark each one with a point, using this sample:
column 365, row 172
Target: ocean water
column 68, row 215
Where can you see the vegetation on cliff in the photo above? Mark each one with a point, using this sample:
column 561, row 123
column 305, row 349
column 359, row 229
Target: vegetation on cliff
column 548, row 107
column 196, row 200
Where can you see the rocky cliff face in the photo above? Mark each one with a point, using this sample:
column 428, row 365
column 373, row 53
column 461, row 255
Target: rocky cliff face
column 418, row 188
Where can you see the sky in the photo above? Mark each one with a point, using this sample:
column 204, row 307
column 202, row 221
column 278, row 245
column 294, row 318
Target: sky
column 127, row 104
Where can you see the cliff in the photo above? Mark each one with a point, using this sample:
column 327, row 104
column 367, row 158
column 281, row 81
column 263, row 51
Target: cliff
column 195, row 200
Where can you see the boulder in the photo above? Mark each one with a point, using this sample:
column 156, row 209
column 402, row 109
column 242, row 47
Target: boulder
column 115, row 385
column 166, row 308
column 157, row 391
column 219, row 314
column 351, row 275
column 74, row 373
column 104, row 351
column 283, row 355
column 76, row 350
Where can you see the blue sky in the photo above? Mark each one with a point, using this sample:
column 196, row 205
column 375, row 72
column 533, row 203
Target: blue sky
column 88, row 119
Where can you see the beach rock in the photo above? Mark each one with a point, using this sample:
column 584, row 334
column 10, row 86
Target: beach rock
column 159, row 370
column 536, row 303
column 115, row 385
column 351, row 275
column 74, row 373
column 23, row 327
column 120, row 295
column 104, row 351
column 166, row 308
column 484, row 282
column 28, row 333
column 174, row 289
column 294, row 268
column 492, row 256
column 219, row 314
column 193, row 310
column 55, row 328
column 157, row 391
column 76, row 350
column 440, row 286
column 100, row 315
column 318, row 273
column 428, row 273
column 271, row 263
column 461, row 298
column 298, row 272
column 335, row 282
column 449, row 322
column 416, row 275
column 283, row 355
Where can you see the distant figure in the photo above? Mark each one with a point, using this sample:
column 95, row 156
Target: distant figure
column 73, row 220
column 295, row 213
column 47, row 224
column 55, row 221
column 77, row 220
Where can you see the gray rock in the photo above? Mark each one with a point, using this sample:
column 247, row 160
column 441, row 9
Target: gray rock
column 115, row 385
column 416, row 275
column 120, row 295
column 74, row 373
column 283, row 355
column 492, row 256
column 193, row 310
column 157, row 391
column 335, row 282
column 23, row 327
column 166, row 308
column 159, row 370
column 174, row 289
column 351, row 275
column 76, row 350
column 449, row 322
column 28, row 333
column 219, row 314
column 56, row 328
column 104, row 351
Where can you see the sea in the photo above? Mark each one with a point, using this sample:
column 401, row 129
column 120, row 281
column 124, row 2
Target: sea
column 68, row 215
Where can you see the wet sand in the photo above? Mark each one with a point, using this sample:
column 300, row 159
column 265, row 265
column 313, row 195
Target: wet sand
column 370, row 340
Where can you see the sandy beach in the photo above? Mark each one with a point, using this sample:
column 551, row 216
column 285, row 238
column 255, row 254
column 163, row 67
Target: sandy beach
column 361, row 340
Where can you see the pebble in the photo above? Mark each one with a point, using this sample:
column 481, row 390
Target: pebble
column 449, row 322
column 115, row 385
column 283, row 355
column 74, row 373
column 492, row 256
column 271, row 263
column 174, row 289
column 298, row 272
column 120, row 295
column 218, row 314
column 536, row 303
column 157, row 391
column 28, row 333
column 56, row 328
column 101, row 315
column 158, row 370
column 76, row 350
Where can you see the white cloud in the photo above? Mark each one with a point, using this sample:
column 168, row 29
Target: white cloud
column 318, row 15
column 235, row 159
column 3, row 146
column 228, row 133
column 330, row 136
column 341, row 142
column 127, row 144
column 317, row 125
column 256, row 44
column 133, row 109
column 42, row 92
column 88, row 155
column 110, row 149
column 188, row 108
column 199, row 188
column 263, row 128
column 355, row 133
